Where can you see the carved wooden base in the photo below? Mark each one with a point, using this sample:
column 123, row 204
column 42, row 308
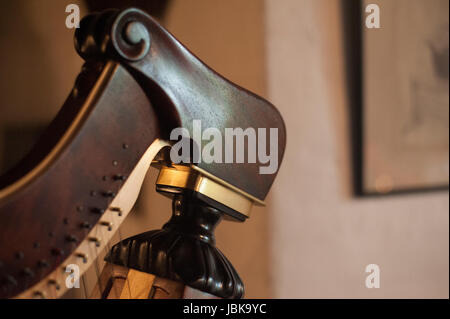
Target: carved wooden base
column 118, row 282
column 183, row 250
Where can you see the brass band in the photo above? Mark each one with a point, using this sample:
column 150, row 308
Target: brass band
column 176, row 177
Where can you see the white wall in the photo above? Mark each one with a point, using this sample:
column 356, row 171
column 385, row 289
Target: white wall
column 321, row 236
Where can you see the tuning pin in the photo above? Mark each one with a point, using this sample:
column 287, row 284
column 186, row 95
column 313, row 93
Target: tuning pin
column 53, row 282
column 38, row 294
column 83, row 257
column 116, row 209
column 109, row 194
column 71, row 239
column 85, row 225
column 118, row 177
column 95, row 240
column 27, row 272
column 97, row 210
column 11, row 280
column 43, row 263
column 107, row 224
column 57, row 252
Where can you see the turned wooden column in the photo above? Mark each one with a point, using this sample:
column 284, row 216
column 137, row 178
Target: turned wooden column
column 178, row 261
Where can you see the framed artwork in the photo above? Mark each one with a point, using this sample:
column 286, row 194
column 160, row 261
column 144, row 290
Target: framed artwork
column 400, row 96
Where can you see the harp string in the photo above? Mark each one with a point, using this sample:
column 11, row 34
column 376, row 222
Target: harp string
column 127, row 282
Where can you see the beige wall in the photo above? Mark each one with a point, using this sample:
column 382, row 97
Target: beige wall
column 315, row 238
column 38, row 61
column 321, row 237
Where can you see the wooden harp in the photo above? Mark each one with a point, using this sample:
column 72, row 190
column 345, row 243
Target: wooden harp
column 62, row 203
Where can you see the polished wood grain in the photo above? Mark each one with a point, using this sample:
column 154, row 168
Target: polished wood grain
column 45, row 218
column 124, row 100
column 183, row 89
column 137, row 285
column 118, row 282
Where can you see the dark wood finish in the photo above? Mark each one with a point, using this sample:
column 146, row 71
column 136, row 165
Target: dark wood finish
column 40, row 224
column 47, row 141
column 184, row 89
